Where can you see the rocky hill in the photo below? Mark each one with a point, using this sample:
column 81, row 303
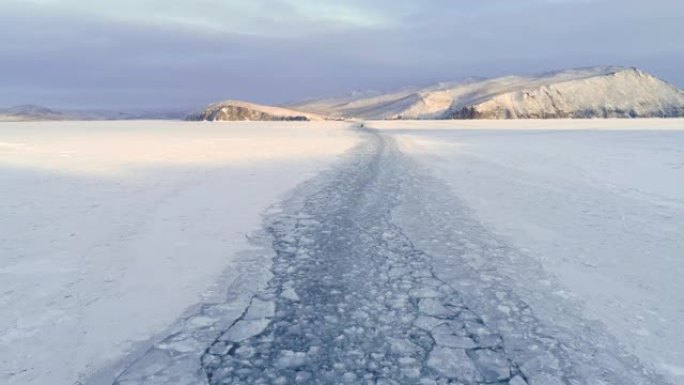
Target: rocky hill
column 242, row 111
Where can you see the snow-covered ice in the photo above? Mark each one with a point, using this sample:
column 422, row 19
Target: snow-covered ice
column 110, row 230
column 525, row 252
column 398, row 284
column 599, row 203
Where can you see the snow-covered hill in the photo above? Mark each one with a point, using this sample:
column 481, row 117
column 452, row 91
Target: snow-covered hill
column 602, row 92
column 238, row 110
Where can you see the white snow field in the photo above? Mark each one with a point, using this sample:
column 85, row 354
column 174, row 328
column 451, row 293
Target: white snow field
column 110, row 230
column 600, row 203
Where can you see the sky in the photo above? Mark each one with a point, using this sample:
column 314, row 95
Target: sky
column 133, row 54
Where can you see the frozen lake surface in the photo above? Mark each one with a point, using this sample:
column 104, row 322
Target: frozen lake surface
column 538, row 252
column 599, row 203
column 110, row 230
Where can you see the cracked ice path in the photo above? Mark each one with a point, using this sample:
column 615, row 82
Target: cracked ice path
column 353, row 300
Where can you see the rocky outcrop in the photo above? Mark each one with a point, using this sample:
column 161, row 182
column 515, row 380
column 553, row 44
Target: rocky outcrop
column 242, row 111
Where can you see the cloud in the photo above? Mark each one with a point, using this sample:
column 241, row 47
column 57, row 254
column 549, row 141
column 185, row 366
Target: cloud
column 246, row 17
column 177, row 53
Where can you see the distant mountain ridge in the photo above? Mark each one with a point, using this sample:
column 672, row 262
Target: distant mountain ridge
column 596, row 92
column 599, row 92
column 31, row 112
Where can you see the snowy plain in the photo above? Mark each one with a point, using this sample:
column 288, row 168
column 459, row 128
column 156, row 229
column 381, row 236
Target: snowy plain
column 600, row 203
column 110, row 230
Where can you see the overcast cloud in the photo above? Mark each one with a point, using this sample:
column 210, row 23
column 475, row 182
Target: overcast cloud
column 172, row 53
